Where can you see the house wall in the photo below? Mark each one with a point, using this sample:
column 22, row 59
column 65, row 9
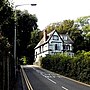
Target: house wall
column 54, row 45
column 70, row 47
column 42, row 51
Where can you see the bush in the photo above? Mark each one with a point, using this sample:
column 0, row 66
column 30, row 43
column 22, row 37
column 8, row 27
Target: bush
column 77, row 67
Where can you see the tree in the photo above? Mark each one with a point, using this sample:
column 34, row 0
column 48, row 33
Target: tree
column 61, row 27
column 6, row 45
column 7, row 20
column 84, row 24
column 26, row 23
column 36, row 36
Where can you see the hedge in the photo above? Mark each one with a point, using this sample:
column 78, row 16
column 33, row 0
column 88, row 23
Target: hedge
column 77, row 67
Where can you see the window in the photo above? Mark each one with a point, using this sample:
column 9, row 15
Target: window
column 40, row 49
column 64, row 37
column 66, row 47
column 36, row 54
column 56, row 47
column 55, row 37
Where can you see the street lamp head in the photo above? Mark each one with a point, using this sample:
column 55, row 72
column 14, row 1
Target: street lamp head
column 25, row 4
column 33, row 4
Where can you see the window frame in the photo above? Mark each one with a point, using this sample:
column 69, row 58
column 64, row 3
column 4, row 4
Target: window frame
column 55, row 37
column 55, row 46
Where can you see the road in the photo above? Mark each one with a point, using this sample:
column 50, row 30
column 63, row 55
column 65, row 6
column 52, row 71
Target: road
column 42, row 79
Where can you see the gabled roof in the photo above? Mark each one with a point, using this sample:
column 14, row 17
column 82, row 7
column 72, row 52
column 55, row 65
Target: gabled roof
column 42, row 42
column 48, row 38
column 68, row 41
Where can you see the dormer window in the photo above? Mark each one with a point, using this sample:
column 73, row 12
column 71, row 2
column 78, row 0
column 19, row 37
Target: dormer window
column 64, row 37
column 55, row 37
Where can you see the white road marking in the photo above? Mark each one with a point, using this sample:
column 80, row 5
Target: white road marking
column 48, row 78
column 44, row 75
column 64, row 88
column 51, row 80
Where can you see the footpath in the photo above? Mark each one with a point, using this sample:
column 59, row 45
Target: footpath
column 18, row 84
column 22, row 81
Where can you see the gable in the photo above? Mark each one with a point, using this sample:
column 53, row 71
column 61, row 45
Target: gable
column 66, row 39
column 42, row 42
column 55, row 38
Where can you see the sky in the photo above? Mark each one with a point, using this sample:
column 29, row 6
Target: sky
column 50, row 11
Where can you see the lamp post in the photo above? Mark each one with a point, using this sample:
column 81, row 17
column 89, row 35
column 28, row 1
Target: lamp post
column 15, row 35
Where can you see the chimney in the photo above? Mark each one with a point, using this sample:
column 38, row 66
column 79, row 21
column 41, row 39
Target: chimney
column 45, row 35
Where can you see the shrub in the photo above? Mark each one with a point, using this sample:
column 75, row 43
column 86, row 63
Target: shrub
column 77, row 67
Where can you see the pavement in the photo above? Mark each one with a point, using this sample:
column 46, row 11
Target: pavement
column 18, row 83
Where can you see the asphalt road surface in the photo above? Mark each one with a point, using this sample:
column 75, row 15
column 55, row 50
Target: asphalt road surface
column 42, row 79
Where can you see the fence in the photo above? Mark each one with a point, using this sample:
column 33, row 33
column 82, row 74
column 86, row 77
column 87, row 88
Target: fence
column 7, row 71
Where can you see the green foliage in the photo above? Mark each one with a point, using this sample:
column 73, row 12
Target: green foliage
column 24, row 60
column 77, row 67
column 84, row 25
column 83, row 20
column 6, row 26
column 61, row 27
column 26, row 24
column 35, row 37
column 78, row 30
column 6, row 45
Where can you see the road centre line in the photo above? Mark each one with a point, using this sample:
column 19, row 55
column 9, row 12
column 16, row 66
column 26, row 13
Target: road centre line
column 64, row 88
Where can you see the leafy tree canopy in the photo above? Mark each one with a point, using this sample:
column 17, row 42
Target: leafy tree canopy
column 6, row 20
column 26, row 23
column 78, row 30
column 61, row 27
column 84, row 23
